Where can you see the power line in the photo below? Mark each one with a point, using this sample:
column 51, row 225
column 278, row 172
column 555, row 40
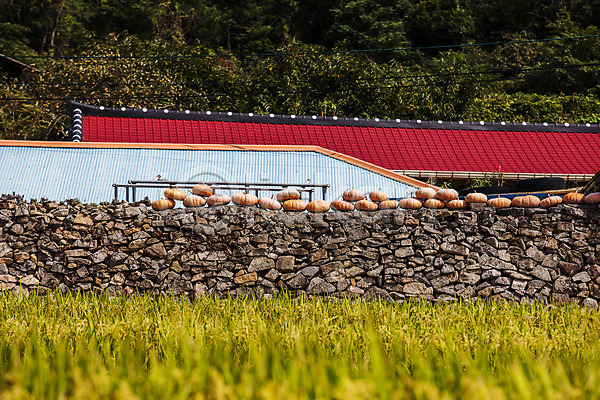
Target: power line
column 275, row 54
column 305, row 92
column 333, row 80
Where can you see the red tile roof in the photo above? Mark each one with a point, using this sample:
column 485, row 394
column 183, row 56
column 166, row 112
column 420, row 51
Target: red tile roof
column 407, row 146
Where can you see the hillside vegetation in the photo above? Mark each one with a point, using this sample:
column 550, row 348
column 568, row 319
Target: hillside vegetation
column 495, row 60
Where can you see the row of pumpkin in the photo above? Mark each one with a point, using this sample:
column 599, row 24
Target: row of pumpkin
column 289, row 200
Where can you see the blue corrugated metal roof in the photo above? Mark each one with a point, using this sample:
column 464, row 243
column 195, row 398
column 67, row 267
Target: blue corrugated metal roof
column 88, row 173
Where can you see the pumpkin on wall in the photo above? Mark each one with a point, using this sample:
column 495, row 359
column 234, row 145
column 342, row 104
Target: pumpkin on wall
column 218, row 199
column 457, row 204
column 342, row 205
column 175, row 194
column 202, row 190
column 163, row 204
column 244, row 199
column 434, row 203
column 318, row 206
column 388, row 205
column 425, row 193
column 287, row 194
column 194, row 200
column 294, row 205
column 574, row 198
column 366, row 205
column 550, row 201
column 476, row 198
column 499, row 202
column 353, row 195
column 410, row 203
column 269, row 203
column 446, row 195
column 592, row 198
column 527, row 201
column 378, row 196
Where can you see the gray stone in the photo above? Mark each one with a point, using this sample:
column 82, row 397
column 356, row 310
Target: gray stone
column 404, row 252
column 502, row 281
column 299, row 281
column 490, row 274
column 569, row 268
column 326, row 269
column 518, row 285
column 565, row 285
column 535, row 254
column 440, row 282
column 354, row 271
column 285, row 263
column 156, row 251
column 4, row 249
column 319, row 286
column 469, row 278
column 246, row 279
column 541, row 273
column 456, row 249
column 309, row 271
column 582, row 277
column 261, row 264
column 414, row 288
column 589, row 303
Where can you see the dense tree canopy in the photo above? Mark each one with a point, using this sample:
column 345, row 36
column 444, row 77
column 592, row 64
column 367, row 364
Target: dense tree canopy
column 419, row 59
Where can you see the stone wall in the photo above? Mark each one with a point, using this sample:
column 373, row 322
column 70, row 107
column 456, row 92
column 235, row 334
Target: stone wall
column 517, row 254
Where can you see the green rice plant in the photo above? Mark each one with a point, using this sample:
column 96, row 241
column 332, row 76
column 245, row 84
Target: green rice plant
column 74, row 346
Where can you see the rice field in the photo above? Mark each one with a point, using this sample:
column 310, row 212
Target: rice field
column 68, row 346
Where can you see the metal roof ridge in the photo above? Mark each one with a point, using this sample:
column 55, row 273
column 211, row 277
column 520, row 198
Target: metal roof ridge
column 219, row 116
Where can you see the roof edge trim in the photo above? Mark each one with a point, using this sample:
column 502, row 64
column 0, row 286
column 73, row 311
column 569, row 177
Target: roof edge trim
column 124, row 112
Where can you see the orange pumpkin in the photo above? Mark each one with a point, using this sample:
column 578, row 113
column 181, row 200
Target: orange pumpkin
column 342, row 205
column 574, row 198
column 378, row 196
column 425, row 193
column 194, row 201
column 366, row 205
column 294, row 205
column 218, row 199
column 318, row 206
column 388, row 205
column 163, row 204
column 499, row 202
column 447, row 194
column 457, row 204
column 434, row 203
column 288, row 194
column 269, row 203
column 202, row 190
column 526, row 201
column 353, row 195
column 410, row 203
column 244, row 199
column 175, row 194
column 476, row 198
column 550, row 201
column 592, row 198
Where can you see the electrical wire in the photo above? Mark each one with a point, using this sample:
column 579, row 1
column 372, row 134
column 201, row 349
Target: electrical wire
column 317, row 81
column 275, row 54
column 305, row 92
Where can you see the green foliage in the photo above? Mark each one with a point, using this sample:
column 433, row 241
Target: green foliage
column 163, row 54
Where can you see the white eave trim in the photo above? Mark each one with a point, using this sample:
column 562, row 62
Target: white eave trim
column 507, row 176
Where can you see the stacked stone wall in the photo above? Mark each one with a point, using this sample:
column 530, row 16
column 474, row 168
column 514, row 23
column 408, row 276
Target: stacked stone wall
column 551, row 255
